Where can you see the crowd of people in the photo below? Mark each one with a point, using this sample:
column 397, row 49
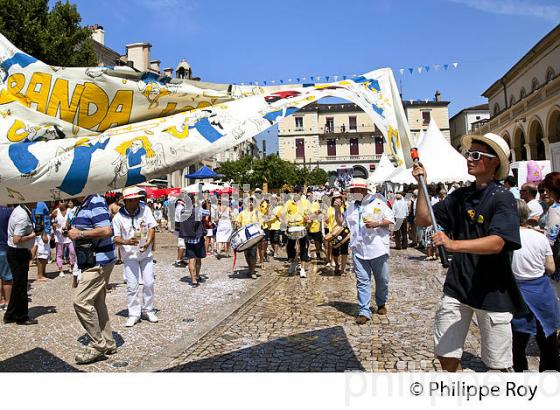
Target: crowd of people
column 503, row 243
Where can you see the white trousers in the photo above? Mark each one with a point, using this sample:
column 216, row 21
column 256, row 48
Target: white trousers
column 136, row 271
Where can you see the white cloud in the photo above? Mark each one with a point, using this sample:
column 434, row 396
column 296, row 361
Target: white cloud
column 514, row 8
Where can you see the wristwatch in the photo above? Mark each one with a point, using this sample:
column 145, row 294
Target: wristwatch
column 81, row 234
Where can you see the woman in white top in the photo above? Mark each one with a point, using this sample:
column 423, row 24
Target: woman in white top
column 61, row 215
column 530, row 265
column 225, row 229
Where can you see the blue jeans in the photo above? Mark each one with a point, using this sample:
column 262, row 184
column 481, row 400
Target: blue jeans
column 363, row 269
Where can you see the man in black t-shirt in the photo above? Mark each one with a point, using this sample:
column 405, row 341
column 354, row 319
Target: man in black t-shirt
column 479, row 225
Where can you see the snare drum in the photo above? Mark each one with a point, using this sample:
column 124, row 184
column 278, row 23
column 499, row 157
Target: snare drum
column 246, row 237
column 296, row 232
column 338, row 237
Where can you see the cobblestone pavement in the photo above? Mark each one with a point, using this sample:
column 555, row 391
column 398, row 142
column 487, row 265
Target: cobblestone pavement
column 232, row 323
column 185, row 315
column 307, row 325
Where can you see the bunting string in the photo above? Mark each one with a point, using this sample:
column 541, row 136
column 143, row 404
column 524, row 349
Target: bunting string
column 417, row 70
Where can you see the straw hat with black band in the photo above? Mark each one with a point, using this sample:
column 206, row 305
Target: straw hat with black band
column 498, row 145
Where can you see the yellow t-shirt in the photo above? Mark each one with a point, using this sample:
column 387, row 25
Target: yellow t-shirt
column 248, row 217
column 315, row 224
column 294, row 216
column 276, row 224
column 331, row 218
column 264, row 215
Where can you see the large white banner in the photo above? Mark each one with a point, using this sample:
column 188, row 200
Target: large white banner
column 67, row 132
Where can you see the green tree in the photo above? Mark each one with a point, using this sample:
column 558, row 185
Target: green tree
column 52, row 36
column 318, row 176
column 271, row 169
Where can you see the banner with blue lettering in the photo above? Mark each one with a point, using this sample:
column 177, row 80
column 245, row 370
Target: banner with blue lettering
column 67, row 132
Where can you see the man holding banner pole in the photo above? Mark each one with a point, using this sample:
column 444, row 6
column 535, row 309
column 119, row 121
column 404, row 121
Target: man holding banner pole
column 479, row 225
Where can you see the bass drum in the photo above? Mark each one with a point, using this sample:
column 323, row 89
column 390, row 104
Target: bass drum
column 246, row 237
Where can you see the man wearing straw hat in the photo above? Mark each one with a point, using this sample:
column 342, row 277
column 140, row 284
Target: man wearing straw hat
column 369, row 219
column 480, row 226
column 134, row 230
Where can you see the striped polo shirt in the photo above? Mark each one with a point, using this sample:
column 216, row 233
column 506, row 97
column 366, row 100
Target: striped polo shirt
column 95, row 214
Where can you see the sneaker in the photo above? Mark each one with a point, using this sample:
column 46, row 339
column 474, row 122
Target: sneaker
column 254, row 276
column 111, row 351
column 131, row 321
column 61, row 275
column 89, row 355
column 361, row 320
column 292, row 268
column 302, row 273
column 381, row 310
column 150, row 317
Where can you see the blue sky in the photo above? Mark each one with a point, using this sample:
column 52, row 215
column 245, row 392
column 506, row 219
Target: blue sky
column 255, row 40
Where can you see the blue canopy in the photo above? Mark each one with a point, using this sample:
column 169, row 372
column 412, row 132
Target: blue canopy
column 203, row 173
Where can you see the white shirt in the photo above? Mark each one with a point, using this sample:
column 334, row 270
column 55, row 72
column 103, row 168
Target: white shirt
column 400, row 208
column 20, row 224
column 124, row 226
column 529, row 261
column 60, row 221
column 535, row 208
column 369, row 243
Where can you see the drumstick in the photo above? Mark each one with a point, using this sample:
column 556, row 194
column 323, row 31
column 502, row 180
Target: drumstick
column 422, row 182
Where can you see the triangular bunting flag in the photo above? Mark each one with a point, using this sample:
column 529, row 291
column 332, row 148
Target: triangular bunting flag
column 419, row 70
column 445, row 66
column 411, row 70
column 427, row 68
column 455, row 65
column 401, row 71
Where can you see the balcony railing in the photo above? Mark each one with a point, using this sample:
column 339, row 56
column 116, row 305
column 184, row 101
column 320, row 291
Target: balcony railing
column 350, row 158
column 341, row 129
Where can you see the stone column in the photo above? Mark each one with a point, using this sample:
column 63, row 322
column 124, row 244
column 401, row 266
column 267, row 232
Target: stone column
column 546, row 143
column 531, row 149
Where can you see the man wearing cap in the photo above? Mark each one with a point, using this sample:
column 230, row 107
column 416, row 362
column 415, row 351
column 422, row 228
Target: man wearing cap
column 369, row 219
column 134, row 230
column 480, row 226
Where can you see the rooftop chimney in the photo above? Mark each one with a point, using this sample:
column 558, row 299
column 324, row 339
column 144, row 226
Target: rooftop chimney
column 168, row 71
column 139, row 54
column 155, row 65
column 97, row 34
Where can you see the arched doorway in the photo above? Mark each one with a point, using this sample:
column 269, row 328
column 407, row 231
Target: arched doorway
column 519, row 145
column 553, row 126
column 359, row 172
column 536, row 139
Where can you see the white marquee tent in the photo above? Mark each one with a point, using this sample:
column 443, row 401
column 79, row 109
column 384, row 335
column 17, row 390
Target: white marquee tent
column 442, row 162
column 383, row 170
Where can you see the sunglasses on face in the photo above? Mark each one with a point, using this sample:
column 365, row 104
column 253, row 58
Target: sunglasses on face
column 477, row 155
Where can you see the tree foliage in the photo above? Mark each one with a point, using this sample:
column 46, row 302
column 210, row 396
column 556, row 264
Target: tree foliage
column 271, row 169
column 53, row 36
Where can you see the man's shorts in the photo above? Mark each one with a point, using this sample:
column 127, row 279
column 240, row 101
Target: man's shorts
column 5, row 272
column 274, row 236
column 315, row 236
column 195, row 250
column 451, row 327
column 181, row 243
